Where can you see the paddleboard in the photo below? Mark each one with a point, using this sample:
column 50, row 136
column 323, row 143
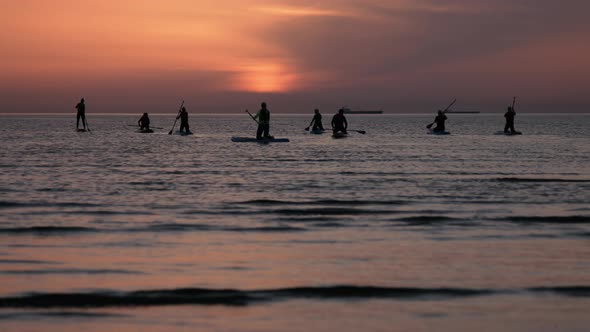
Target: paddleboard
column 253, row 139
column 81, row 130
column 432, row 132
column 339, row 135
column 508, row 133
column 183, row 133
column 148, row 131
column 317, row 132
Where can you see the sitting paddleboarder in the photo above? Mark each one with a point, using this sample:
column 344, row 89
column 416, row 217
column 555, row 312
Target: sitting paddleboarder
column 509, row 115
column 440, row 122
column 144, row 122
column 339, row 123
column 316, row 122
column 81, row 114
column 263, row 119
column 183, row 116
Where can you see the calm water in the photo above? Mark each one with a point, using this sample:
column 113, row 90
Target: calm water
column 393, row 230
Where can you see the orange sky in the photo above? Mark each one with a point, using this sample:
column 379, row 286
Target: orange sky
column 228, row 54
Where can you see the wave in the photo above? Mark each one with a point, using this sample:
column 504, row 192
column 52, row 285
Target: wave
column 107, row 212
column 24, row 261
column 572, row 291
column 47, row 229
column 9, row 204
column 320, row 202
column 541, row 180
column 60, row 314
column 67, row 271
column 548, row 219
column 64, row 230
column 334, row 211
column 204, row 227
column 329, row 211
column 232, row 297
column 429, row 220
column 311, row 219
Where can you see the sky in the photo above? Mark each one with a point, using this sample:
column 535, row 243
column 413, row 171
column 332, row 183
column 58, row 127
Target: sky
column 401, row 56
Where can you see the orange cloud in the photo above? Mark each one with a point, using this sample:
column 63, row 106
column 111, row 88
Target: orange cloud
column 301, row 11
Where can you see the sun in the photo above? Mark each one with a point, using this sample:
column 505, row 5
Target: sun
column 264, row 77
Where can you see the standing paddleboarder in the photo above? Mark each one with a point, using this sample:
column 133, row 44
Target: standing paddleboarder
column 183, row 116
column 263, row 119
column 81, row 114
column 509, row 115
column 339, row 123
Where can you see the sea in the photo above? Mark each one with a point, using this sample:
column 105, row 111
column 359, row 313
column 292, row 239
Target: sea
column 391, row 230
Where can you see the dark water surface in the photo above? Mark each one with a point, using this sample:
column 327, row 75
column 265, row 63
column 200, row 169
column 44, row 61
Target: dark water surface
column 392, row 230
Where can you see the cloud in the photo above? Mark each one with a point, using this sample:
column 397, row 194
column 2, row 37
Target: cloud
column 301, row 11
column 364, row 51
column 419, row 38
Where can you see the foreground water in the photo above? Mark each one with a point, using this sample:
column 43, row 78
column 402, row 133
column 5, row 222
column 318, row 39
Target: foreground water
column 392, row 230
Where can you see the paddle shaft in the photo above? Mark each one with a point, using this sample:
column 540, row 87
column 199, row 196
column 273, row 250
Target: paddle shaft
column 175, row 120
column 252, row 116
column 513, row 102
column 312, row 121
column 446, row 109
column 451, row 104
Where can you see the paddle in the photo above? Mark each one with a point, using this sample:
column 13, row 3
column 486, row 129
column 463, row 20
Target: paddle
column 252, row 116
column 174, row 125
column 446, row 109
column 312, row 120
column 87, row 126
column 513, row 102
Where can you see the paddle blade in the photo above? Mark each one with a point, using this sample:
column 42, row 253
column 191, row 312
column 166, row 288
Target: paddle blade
column 307, row 129
column 361, row 132
column 429, row 126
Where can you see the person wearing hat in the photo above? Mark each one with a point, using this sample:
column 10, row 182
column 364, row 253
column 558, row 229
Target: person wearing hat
column 263, row 119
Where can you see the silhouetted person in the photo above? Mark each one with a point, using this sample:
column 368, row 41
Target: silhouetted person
column 316, row 121
column 144, row 122
column 183, row 116
column 339, row 123
column 263, row 118
column 81, row 114
column 509, row 115
column 440, row 122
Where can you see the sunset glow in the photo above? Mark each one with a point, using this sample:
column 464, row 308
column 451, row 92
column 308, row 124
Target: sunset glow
column 355, row 51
